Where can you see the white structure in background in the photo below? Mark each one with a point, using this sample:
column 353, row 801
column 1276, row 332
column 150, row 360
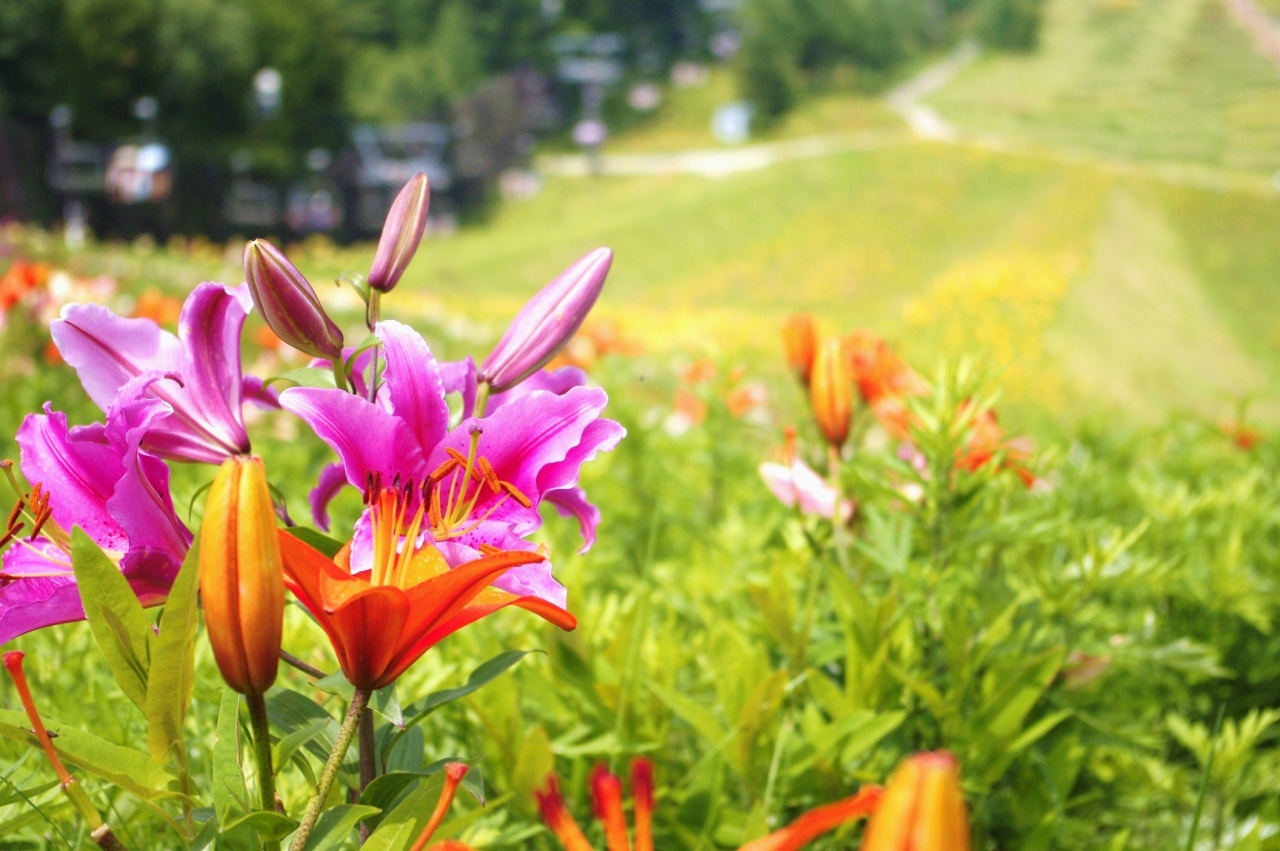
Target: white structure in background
column 731, row 123
column 268, row 92
column 390, row 154
column 590, row 61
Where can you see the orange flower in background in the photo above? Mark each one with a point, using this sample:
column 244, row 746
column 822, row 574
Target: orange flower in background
column 21, row 278
column 800, row 342
column 593, row 341
column 831, row 392
column 689, row 409
column 922, row 809
column 1244, row 437
column 158, row 307
column 745, row 398
column 986, row 440
column 699, row 372
column 606, row 799
column 884, row 380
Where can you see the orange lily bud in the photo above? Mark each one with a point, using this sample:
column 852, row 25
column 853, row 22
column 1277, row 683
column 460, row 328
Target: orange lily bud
column 559, row 819
column 831, row 391
column 453, row 774
column 13, row 661
column 241, row 576
column 800, row 341
column 606, row 799
column 642, row 794
column 923, row 808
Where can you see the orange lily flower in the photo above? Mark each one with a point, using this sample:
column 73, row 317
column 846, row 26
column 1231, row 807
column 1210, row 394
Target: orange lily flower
column 985, row 440
column 382, row 620
column 884, row 380
column 606, row 798
column 923, row 808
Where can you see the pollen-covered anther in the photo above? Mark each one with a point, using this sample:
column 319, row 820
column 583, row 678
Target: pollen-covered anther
column 489, row 550
column 515, row 494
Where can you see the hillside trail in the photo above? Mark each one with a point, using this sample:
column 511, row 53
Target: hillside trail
column 923, row 124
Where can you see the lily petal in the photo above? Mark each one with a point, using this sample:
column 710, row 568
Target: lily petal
column 333, row 478
column 572, row 502
column 365, row 437
column 460, row 377
column 557, row 381
column 413, row 381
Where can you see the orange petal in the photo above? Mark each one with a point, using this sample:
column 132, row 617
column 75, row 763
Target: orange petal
column 369, row 625
column 642, row 795
column 558, row 817
column 606, row 798
column 818, row 821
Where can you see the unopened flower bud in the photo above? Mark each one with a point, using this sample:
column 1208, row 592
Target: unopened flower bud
column 831, row 391
column 922, row 809
column 287, row 302
column 241, row 578
column 546, row 323
column 800, row 341
column 401, row 234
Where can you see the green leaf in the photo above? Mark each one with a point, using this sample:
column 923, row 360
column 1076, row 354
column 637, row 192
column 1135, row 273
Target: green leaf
column 115, row 616
column 320, row 542
column 127, row 768
column 401, row 826
column 481, row 676
column 693, row 713
column 385, row 790
column 267, row 825
column 207, row 836
column 307, row 376
column 291, row 712
column 290, row 743
column 173, row 664
column 336, row 824
column 868, row 735
column 229, row 791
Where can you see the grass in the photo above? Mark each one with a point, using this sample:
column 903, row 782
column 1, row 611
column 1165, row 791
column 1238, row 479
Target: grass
column 1138, row 79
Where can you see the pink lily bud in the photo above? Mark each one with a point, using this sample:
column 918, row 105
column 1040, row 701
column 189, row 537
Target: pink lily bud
column 547, row 322
column 401, row 234
column 287, row 302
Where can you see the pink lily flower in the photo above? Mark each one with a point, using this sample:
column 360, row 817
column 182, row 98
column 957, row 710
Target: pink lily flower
column 99, row 478
column 796, row 483
column 203, row 383
column 483, row 480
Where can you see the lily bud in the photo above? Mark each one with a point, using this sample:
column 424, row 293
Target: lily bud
column 546, row 323
column 287, row 302
column 923, row 808
column 401, row 234
column 241, row 576
column 831, row 391
column 800, row 341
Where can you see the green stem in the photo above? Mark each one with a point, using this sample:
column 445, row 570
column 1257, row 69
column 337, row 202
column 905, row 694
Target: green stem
column 262, row 754
column 339, row 374
column 482, row 398
column 372, row 314
column 837, row 518
column 184, row 786
column 330, row 771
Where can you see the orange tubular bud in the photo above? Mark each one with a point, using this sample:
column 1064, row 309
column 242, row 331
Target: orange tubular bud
column 558, row 818
column 606, row 799
column 818, row 821
column 13, row 661
column 642, row 794
column 800, row 341
column 923, row 808
column 453, row 774
column 831, row 391
column 241, row 578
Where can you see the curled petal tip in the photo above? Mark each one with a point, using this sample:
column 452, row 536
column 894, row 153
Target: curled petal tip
column 401, row 234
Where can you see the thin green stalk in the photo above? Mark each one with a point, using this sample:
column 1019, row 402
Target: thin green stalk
column 372, row 314
column 1204, row 780
column 330, row 771
column 184, row 786
column 262, row 754
column 837, row 520
column 339, row 374
column 482, row 398
column 368, row 759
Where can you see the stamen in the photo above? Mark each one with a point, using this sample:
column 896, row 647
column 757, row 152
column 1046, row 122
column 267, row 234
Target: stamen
column 444, row 469
column 515, row 492
column 489, row 550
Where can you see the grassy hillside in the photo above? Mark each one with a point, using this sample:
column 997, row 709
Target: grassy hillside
column 1162, row 80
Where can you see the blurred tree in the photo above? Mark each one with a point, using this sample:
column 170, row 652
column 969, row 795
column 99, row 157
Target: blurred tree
column 1010, row 24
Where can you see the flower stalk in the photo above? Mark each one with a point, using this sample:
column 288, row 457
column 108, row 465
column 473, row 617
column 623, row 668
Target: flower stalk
column 98, row 829
column 262, row 755
column 330, row 771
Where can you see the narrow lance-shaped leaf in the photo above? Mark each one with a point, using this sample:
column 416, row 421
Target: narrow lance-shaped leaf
column 335, row 826
column 230, row 795
column 173, row 671
column 119, row 625
column 127, row 768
